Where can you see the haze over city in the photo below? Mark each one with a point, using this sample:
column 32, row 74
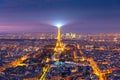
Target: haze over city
column 85, row 16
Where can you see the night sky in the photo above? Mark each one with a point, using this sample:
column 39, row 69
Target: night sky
column 83, row 16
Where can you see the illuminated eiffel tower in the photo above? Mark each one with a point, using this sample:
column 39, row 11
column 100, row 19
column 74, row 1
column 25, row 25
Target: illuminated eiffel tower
column 59, row 46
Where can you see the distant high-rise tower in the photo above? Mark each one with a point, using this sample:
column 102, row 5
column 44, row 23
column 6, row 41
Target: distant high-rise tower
column 59, row 45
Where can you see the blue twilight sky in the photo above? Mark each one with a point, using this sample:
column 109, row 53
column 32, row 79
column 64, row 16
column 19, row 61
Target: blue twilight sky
column 86, row 16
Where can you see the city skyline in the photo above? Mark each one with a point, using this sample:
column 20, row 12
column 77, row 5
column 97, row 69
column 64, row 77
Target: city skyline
column 86, row 16
column 59, row 40
column 73, row 57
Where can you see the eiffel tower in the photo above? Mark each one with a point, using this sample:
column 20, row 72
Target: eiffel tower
column 59, row 46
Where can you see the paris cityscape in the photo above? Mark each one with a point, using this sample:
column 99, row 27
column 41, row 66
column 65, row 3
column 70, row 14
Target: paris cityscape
column 59, row 40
